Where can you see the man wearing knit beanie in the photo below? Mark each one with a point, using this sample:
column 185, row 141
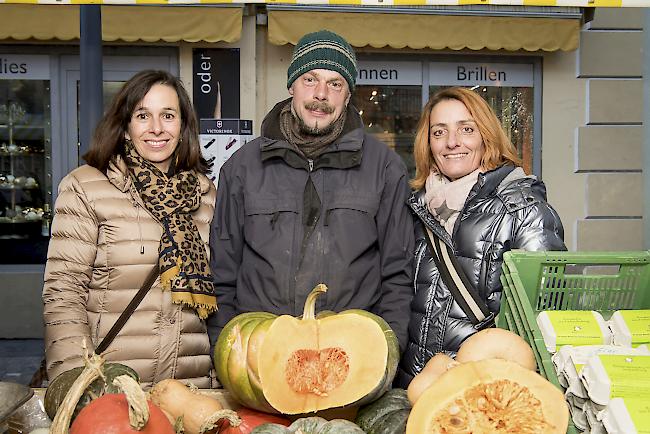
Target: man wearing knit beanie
column 313, row 200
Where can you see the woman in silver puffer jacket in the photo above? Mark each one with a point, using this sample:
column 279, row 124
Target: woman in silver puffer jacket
column 471, row 192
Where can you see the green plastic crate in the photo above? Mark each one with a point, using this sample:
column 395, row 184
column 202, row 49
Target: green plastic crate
column 537, row 281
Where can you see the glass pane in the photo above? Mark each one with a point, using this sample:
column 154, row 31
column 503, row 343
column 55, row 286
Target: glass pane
column 25, row 176
column 514, row 108
column 109, row 90
column 391, row 114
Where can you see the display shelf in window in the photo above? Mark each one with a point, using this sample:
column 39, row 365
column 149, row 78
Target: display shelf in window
column 25, row 172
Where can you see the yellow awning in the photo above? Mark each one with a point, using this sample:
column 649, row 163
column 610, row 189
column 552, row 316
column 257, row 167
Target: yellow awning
column 171, row 24
column 123, row 23
column 42, row 22
column 399, row 30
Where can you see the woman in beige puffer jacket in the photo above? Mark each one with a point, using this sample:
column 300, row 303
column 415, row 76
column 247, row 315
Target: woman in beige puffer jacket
column 142, row 200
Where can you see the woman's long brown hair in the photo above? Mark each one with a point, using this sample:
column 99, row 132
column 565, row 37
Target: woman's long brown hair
column 498, row 148
column 109, row 136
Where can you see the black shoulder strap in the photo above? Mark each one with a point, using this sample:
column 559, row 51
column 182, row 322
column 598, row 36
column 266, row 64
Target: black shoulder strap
column 128, row 311
column 457, row 282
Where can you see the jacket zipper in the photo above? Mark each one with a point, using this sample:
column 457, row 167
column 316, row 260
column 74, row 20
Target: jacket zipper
column 292, row 292
column 140, row 230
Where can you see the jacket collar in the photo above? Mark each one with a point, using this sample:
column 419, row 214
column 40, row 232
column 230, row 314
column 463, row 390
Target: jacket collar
column 118, row 174
column 487, row 183
column 344, row 153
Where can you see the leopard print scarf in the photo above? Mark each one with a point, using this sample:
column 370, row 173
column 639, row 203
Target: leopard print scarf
column 182, row 257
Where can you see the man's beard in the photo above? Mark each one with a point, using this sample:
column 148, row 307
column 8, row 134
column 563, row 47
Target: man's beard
column 315, row 130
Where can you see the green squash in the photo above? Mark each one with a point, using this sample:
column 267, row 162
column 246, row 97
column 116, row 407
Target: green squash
column 387, row 415
column 58, row 388
column 311, row 425
column 257, row 355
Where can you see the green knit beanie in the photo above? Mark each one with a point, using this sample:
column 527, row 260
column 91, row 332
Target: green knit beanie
column 323, row 50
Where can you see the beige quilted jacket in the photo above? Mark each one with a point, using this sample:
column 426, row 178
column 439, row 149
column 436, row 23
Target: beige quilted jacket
column 104, row 243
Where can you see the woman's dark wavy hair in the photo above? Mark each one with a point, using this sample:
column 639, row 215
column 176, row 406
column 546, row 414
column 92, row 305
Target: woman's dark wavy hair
column 109, row 136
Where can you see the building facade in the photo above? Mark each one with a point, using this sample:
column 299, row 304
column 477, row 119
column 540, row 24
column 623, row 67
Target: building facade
column 565, row 82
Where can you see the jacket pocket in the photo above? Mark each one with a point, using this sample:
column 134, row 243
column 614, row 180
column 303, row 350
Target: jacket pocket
column 351, row 218
column 269, row 221
column 351, row 211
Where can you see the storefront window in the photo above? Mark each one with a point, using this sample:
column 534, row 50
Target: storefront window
column 25, row 177
column 389, row 97
column 391, row 114
column 507, row 88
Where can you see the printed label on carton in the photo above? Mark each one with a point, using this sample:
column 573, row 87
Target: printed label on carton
column 575, row 327
column 638, row 322
column 629, row 376
column 639, row 410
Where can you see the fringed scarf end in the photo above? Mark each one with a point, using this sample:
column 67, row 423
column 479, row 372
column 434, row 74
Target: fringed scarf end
column 203, row 304
column 167, row 276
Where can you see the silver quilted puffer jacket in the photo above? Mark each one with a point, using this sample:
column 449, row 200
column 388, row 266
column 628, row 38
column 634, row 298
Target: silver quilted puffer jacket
column 504, row 210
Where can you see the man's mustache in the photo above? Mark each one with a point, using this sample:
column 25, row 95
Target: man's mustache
column 321, row 106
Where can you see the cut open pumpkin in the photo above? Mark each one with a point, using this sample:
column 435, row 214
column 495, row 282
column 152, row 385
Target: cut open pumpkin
column 489, row 396
column 312, row 364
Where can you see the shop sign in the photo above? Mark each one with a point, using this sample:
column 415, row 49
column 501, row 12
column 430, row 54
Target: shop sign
column 481, row 74
column 389, row 73
column 215, row 82
column 24, row 67
column 220, row 138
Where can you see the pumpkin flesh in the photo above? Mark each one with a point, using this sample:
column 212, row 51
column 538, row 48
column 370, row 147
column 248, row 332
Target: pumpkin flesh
column 489, row 396
column 391, row 363
column 320, row 359
column 316, row 364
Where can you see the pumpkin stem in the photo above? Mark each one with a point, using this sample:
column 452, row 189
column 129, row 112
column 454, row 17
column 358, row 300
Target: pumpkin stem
column 91, row 372
column 135, row 396
column 310, row 304
column 213, row 421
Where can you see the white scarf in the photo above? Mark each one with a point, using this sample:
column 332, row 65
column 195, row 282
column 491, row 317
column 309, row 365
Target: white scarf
column 445, row 198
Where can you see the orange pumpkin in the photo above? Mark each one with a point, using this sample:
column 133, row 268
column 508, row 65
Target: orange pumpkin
column 122, row 413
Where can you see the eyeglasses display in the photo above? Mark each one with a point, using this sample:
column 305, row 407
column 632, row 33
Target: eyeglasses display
column 25, row 178
column 391, row 113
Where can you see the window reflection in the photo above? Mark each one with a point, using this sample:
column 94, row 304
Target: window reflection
column 391, row 114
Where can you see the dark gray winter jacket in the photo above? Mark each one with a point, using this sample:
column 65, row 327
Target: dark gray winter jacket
column 283, row 224
column 504, row 210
